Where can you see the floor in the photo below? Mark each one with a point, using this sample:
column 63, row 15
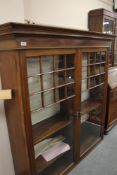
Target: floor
column 102, row 160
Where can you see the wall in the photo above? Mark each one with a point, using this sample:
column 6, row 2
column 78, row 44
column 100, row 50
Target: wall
column 10, row 10
column 65, row 13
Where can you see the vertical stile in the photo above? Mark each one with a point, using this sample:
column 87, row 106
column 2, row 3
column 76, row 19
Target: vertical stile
column 41, row 78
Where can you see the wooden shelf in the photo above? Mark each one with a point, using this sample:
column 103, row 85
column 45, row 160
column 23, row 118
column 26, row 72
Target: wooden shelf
column 61, row 165
column 90, row 134
column 89, row 105
column 48, row 127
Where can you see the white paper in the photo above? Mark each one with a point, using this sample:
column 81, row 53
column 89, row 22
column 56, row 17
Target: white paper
column 56, row 150
column 47, row 144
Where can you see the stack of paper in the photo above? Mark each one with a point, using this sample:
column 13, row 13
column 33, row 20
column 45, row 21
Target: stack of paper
column 56, row 150
column 46, row 144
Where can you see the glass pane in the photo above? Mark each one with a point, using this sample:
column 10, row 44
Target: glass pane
column 92, row 82
column 98, row 57
column 91, row 70
column 97, row 80
column 70, row 76
column 102, row 78
column 59, row 78
column 84, row 85
column 34, row 84
column 103, row 57
column 69, row 61
column 84, row 72
column 33, row 66
column 47, row 81
column 97, row 69
column 91, row 58
column 60, row 93
column 98, row 90
column 47, row 63
column 84, row 95
column 62, row 139
column 115, row 50
column 35, row 102
column 48, row 97
column 84, row 59
column 90, row 131
column 59, row 62
column 115, row 58
column 108, row 26
column 102, row 68
column 70, row 90
column 91, row 117
column 45, row 113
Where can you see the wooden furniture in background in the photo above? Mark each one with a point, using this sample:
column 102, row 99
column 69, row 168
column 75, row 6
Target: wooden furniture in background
column 111, row 114
column 101, row 20
column 59, row 82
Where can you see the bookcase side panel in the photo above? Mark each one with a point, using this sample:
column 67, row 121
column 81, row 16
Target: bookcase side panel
column 10, row 74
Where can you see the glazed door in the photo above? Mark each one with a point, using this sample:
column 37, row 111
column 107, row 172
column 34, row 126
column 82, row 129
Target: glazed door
column 109, row 27
column 93, row 93
column 51, row 82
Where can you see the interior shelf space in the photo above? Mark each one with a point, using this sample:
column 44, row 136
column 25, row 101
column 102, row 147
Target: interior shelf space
column 89, row 105
column 52, row 125
column 89, row 136
column 58, row 166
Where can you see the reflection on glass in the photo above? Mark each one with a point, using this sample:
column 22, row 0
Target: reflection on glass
column 69, row 61
column 47, row 81
column 97, row 69
column 98, row 57
column 59, row 78
column 115, row 49
column 60, row 93
column 90, row 132
column 70, row 76
column 84, row 72
column 84, row 85
column 47, row 63
column 33, row 66
column 45, row 113
column 47, row 101
column 115, row 59
column 91, row 58
column 102, row 77
column 92, row 82
column 59, row 62
column 95, row 115
column 91, row 70
column 97, row 80
column 35, row 102
column 108, row 26
column 70, row 90
column 102, row 68
column 84, row 59
column 48, row 97
column 98, row 90
column 103, row 57
column 34, row 84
